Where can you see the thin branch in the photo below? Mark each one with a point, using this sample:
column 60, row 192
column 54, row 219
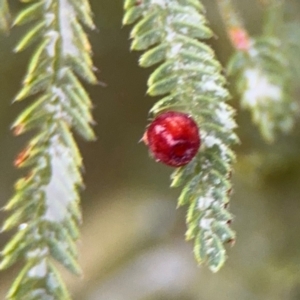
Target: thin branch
column 45, row 207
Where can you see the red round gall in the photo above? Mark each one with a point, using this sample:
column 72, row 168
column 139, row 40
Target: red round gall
column 173, row 138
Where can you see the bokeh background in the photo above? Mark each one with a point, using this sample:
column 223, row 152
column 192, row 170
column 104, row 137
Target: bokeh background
column 132, row 245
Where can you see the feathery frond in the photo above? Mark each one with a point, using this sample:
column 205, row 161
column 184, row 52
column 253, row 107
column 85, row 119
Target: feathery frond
column 263, row 74
column 189, row 79
column 45, row 208
column 264, row 81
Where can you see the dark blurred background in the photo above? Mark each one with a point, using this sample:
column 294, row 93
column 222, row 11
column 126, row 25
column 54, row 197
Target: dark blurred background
column 132, row 245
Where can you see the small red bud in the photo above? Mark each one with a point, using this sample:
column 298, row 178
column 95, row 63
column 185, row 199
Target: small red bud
column 239, row 38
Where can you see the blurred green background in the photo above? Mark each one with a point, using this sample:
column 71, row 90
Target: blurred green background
column 132, row 245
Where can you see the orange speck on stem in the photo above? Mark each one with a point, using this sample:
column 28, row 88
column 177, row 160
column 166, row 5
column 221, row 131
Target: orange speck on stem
column 144, row 139
column 22, row 156
column 231, row 242
column 18, row 129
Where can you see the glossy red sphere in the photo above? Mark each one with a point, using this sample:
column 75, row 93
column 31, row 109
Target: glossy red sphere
column 173, row 138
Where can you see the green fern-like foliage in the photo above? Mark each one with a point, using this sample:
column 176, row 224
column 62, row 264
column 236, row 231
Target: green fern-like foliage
column 4, row 16
column 189, row 79
column 45, row 207
column 264, row 82
column 266, row 75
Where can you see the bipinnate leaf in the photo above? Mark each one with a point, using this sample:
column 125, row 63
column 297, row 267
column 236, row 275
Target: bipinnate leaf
column 45, row 209
column 190, row 79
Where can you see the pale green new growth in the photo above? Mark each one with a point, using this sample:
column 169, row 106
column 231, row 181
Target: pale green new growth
column 4, row 16
column 45, row 208
column 189, row 77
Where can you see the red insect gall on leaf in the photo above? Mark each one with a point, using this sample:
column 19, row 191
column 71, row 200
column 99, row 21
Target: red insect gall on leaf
column 173, row 138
